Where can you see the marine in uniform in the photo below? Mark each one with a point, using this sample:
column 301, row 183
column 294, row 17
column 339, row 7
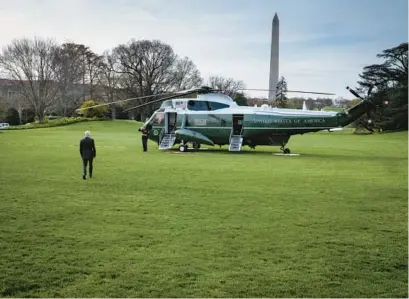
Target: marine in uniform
column 144, row 139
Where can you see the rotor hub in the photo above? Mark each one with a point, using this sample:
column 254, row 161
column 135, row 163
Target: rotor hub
column 204, row 89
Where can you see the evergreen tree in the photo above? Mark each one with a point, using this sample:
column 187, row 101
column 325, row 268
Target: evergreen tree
column 240, row 99
column 387, row 86
column 281, row 93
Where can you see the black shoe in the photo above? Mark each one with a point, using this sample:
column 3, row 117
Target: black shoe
column 83, row 177
column 90, row 176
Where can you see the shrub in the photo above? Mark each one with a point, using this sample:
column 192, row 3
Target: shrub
column 13, row 117
column 45, row 119
column 92, row 112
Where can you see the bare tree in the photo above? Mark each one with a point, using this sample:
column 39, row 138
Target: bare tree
column 69, row 73
column 109, row 79
column 91, row 71
column 17, row 102
column 147, row 64
column 228, row 86
column 32, row 64
column 147, row 67
column 3, row 108
column 185, row 75
column 11, row 97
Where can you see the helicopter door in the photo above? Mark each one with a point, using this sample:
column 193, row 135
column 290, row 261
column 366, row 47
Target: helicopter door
column 237, row 124
column 170, row 122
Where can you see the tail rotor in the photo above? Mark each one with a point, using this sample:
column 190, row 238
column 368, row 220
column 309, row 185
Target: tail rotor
column 370, row 106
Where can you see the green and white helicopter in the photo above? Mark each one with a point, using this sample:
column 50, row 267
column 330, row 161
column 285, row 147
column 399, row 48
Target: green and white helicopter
column 213, row 118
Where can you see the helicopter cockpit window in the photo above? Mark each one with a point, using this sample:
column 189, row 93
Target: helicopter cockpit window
column 167, row 104
column 216, row 106
column 158, row 118
column 197, row 105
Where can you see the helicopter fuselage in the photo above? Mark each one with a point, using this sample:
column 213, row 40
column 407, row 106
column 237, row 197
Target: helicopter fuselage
column 214, row 118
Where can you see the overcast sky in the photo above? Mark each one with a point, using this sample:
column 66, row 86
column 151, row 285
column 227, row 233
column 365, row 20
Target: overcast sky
column 323, row 43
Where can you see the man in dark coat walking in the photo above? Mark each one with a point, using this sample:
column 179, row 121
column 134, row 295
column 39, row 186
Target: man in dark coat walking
column 88, row 153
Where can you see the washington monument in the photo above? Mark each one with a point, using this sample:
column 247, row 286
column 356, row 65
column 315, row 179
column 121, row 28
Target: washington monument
column 274, row 58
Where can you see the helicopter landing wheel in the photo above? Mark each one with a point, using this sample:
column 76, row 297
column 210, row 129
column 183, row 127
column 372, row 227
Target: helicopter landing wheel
column 183, row 148
column 284, row 149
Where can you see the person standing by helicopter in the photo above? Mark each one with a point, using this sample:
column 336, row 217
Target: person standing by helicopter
column 144, row 139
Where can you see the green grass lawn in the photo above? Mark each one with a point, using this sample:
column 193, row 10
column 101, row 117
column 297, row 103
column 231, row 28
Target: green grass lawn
column 331, row 222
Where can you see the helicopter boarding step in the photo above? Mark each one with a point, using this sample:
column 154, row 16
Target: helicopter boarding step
column 167, row 141
column 235, row 143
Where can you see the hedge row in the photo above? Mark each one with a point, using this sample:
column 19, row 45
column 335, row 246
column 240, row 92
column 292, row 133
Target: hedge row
column 53, row 123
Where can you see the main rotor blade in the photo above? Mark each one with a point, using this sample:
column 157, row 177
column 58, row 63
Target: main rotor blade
column 354, row 92
column 163, row 99
column 187, row 91
column 312, row 92
column 299, row 91
column 192, row 90
column 106, row 104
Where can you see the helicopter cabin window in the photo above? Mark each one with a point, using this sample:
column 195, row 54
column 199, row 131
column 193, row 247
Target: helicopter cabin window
column 216, row 106
column 197, row 105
